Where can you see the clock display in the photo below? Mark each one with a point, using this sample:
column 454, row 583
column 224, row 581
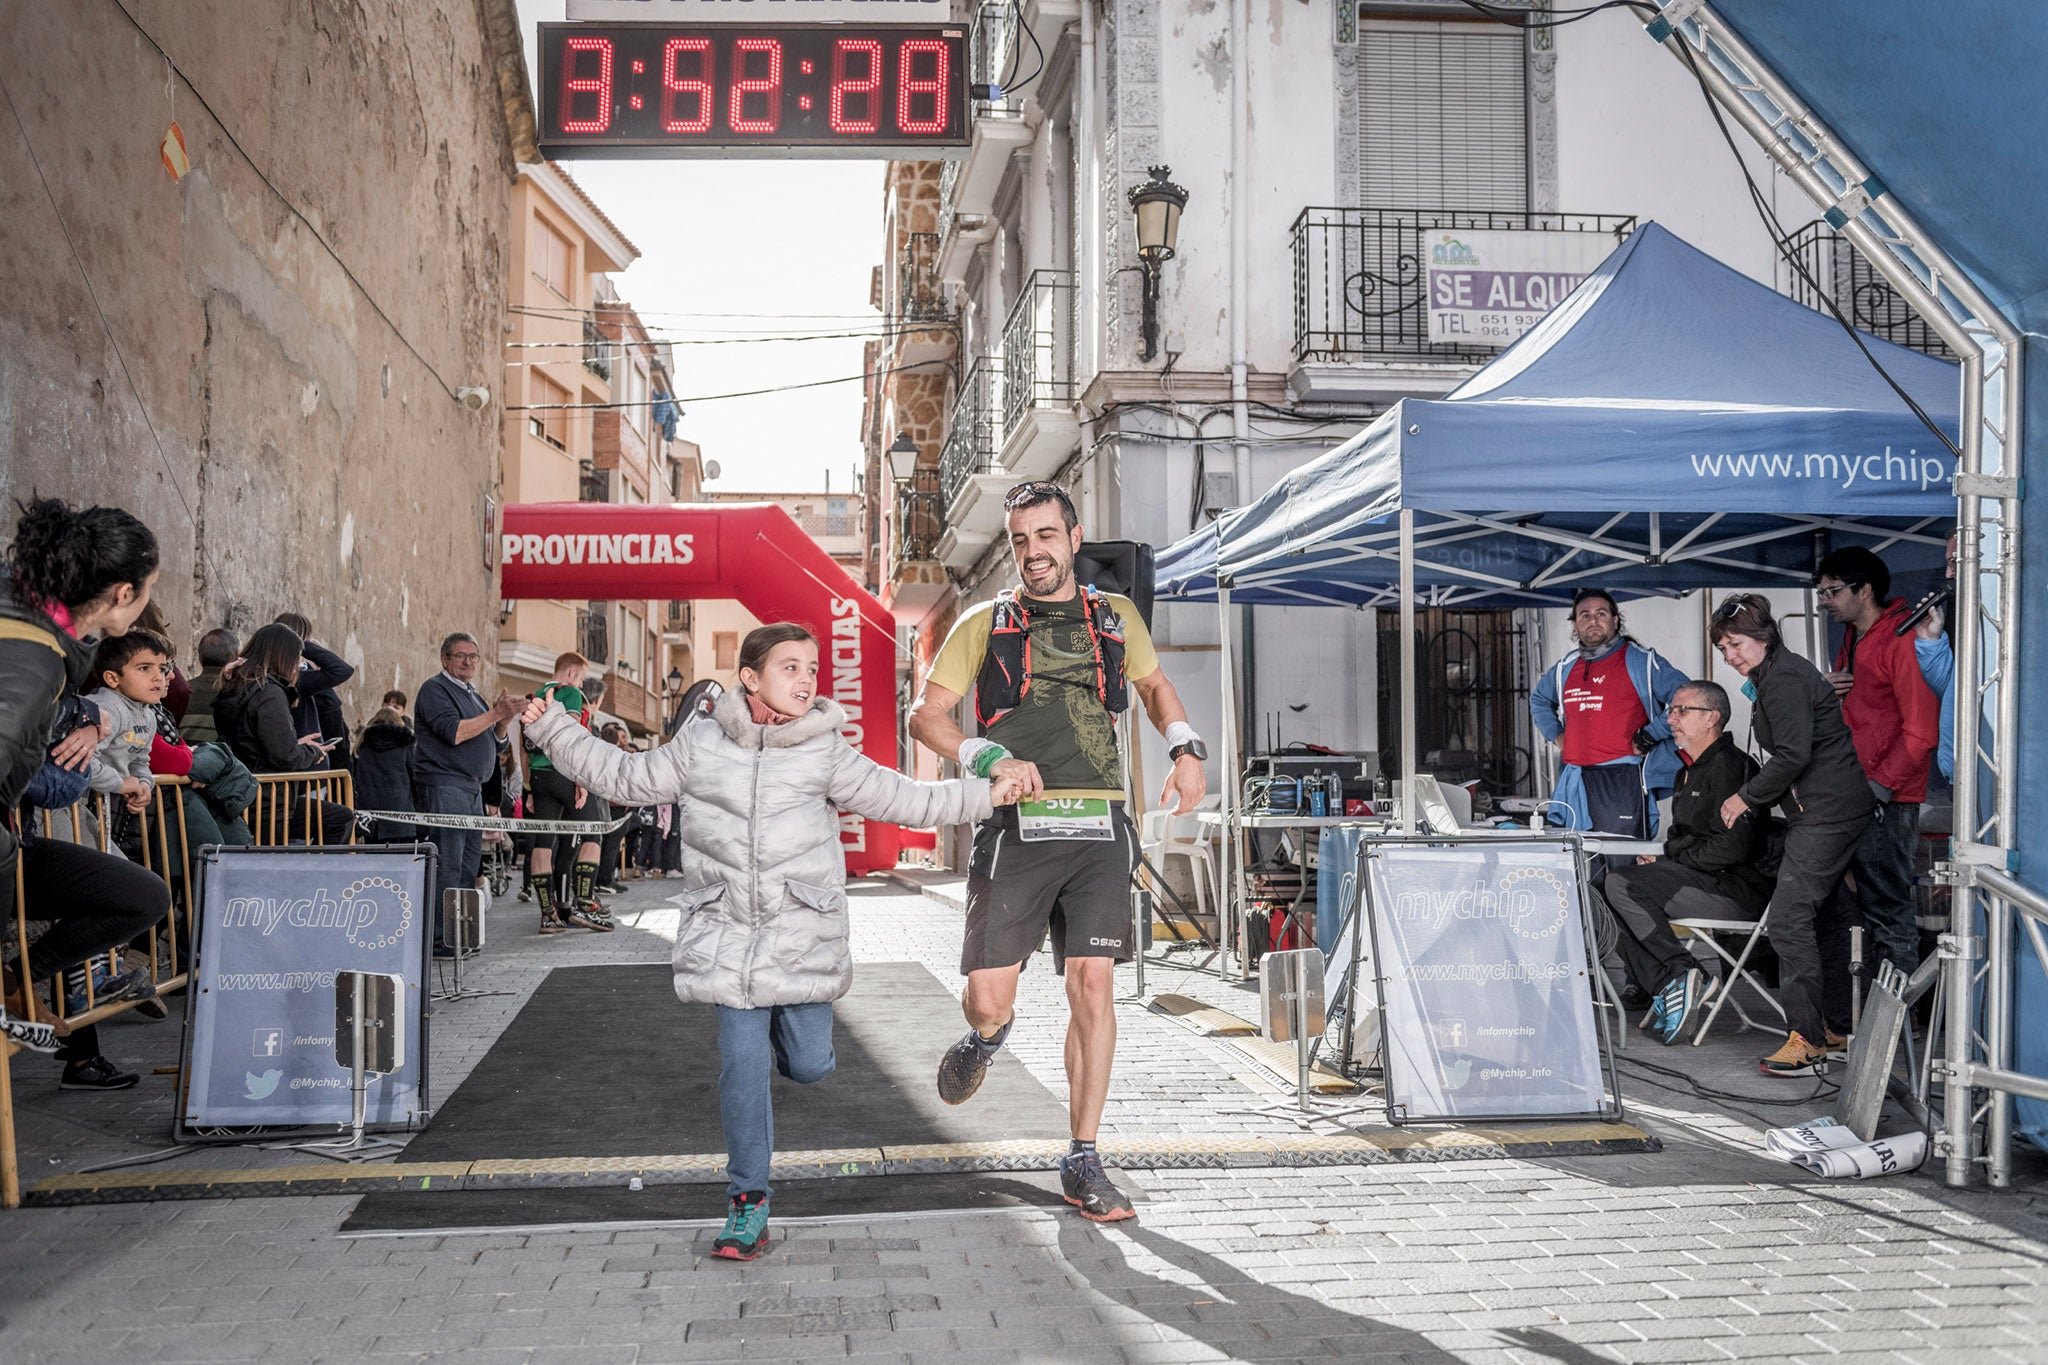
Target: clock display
column 669, row 90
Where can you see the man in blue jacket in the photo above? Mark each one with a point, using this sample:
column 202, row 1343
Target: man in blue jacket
column 1603, row 705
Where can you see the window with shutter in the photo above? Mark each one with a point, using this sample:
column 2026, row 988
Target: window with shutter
column 1443, row 122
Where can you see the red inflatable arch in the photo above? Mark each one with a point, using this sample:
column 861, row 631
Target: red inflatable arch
column 753, row 553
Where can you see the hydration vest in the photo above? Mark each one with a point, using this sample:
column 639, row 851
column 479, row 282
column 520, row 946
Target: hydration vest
column 1006, row 666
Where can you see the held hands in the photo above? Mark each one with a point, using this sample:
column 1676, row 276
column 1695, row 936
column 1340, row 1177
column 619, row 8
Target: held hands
column 1733, row 809
column 1029, row 785
column 135, row 794
column 1004, row 791
column 1185, row 786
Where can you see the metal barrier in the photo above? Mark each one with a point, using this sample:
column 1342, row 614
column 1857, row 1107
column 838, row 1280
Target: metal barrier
column 166, row 850
column 272, row 818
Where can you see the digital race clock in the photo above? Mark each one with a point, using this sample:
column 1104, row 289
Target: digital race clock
column 663, row 90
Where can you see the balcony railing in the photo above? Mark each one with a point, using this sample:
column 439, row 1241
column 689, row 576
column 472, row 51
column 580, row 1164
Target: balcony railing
column 920, row 517
column 597, row 351
column 974, row 438
column 593, row 484
column 1358, row 277
column 593, row 632
column 1038, row 346
column 920, row 293
column 1865, row 297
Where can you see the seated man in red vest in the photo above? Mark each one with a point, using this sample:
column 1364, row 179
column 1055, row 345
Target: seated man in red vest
column 1049, row 669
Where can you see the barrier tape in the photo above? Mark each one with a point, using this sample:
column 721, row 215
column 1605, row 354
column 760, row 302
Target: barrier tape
column 498, row 822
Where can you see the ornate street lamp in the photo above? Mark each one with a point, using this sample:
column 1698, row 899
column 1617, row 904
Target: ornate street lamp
column 1156, row 204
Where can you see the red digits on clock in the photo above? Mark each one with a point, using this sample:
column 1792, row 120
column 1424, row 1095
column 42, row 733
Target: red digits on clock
column 909, row 85
column 769, row 86
column 868, row 87
column 674, row 86
column 599, row 85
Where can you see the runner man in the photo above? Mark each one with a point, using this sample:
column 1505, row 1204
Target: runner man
column 1047, row 669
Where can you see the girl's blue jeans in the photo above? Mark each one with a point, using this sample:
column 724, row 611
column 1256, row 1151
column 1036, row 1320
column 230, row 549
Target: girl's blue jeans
column 795, row 1040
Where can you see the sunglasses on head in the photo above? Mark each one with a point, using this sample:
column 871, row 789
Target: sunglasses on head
column 1031, row 490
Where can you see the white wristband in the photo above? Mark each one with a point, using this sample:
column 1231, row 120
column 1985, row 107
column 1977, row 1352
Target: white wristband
column 970, row 749
column 1179, row 733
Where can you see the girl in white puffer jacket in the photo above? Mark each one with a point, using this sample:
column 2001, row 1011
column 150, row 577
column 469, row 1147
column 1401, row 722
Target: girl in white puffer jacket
column 759, row 785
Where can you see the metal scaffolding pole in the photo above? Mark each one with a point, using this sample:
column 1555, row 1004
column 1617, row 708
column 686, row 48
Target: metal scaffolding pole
column 1988, row 491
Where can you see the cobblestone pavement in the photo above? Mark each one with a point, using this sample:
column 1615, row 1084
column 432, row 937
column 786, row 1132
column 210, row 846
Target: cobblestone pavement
column 1704, row 1251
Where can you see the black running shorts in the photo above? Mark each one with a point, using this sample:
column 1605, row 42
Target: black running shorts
column 554, row 798
column 1079, row 889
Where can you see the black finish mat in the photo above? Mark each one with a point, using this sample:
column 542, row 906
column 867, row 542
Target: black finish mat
column 605, row 1061
column 838, row 1197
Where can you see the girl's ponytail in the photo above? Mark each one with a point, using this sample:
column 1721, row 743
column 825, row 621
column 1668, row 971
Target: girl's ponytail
column 61, row 555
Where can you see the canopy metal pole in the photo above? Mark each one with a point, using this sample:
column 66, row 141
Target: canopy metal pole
column 1231, row 901
column 1407, row 671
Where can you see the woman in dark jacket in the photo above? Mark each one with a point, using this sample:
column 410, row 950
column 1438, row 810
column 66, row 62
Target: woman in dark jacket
column 1813, row 776
column 72, row 574
column 384, row 773
column 254, row 714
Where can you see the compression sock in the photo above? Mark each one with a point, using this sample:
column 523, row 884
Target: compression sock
column 586, row 879
column 542, row 885
column 989, row 1042
column 1078, row 1148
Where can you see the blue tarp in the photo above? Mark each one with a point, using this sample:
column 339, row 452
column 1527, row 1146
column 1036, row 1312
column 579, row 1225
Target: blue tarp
column 1945, row 104
column 1672, row 424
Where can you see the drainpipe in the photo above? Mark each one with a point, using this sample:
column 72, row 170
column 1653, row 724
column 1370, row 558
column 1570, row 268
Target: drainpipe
column 1088, row 209
column 1240, row 134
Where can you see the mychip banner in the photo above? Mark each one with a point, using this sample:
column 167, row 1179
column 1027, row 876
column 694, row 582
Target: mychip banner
column 1487, row 288
column 1487, row 1010
column 275, row 928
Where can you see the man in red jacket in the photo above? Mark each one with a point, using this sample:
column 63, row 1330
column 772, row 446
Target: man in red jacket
column 1896, row 724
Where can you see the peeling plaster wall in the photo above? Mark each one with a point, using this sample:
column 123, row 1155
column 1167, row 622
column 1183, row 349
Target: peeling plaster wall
column 309, row 459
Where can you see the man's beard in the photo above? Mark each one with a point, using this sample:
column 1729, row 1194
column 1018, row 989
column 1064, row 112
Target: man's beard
column 1062, row 573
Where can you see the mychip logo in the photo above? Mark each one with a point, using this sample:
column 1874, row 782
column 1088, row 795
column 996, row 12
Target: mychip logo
column 371, row 912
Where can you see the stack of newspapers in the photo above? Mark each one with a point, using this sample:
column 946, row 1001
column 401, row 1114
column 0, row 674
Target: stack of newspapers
column 1827, row 1148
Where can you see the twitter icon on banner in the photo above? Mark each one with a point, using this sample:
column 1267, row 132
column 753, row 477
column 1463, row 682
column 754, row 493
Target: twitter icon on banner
column 260, row 1087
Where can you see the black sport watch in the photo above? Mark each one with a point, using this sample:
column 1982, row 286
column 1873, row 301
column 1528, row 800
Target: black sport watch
column 1199, row 750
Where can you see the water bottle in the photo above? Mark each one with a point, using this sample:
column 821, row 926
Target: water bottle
column 1335, row 786
column 1318, row 795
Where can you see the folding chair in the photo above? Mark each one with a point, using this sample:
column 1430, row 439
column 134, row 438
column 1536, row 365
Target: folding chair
column 1751, row 932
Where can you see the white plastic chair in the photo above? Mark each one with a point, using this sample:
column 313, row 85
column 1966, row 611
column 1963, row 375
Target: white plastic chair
column 1708, row 932
column 1186, row 837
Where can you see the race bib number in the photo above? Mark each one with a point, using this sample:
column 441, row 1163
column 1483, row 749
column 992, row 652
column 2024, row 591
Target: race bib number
column 1064, row 818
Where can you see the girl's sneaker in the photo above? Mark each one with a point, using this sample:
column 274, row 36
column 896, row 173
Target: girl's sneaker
column 746, row 1229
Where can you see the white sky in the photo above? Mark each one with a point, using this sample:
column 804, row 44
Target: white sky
column 758, row 239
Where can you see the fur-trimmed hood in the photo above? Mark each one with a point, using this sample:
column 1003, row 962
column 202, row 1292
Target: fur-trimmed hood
column 826, row 716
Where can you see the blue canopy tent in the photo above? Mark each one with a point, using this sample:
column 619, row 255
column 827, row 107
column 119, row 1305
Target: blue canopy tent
column 1672, row 424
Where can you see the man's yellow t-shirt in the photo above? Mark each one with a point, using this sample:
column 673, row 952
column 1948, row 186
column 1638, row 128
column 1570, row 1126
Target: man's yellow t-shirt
column 1059, row 724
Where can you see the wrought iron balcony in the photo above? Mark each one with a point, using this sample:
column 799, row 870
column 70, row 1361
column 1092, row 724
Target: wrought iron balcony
column 1358, row 277
column 974, row 437
column 920, row 517
column 1865, row 297
column 920, row 293
column 593, row 633
column 597, row 351
column 1038, row 346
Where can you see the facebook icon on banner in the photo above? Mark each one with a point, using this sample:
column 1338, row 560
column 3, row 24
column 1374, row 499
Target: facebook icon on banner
column 269, row 1042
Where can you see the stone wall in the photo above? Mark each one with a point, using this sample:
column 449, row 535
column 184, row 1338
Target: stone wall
column 260, row 359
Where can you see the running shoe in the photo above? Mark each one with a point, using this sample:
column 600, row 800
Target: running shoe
column 1678, row 1001
column 967, row 1061
column 551, row 925
column 96, row 1073
column 1796, row 1058
column 1090, row 1190
column 1836, row 1043
column 591, row 917
column 745, row 1234
column 108, row 987
column 37, row 1036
